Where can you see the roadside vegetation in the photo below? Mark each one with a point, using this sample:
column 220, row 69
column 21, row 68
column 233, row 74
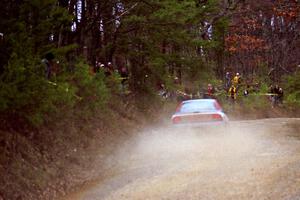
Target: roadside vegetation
column 60, row 97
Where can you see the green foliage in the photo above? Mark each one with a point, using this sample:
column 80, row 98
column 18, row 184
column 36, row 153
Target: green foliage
column 26, row 92
column 292, row 89
column 91, row 90
column 24, row 89
column 255, row 102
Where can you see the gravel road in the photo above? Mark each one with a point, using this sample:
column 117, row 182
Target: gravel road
column 257, row 159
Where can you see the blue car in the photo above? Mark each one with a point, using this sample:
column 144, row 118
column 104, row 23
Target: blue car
column 199, row 112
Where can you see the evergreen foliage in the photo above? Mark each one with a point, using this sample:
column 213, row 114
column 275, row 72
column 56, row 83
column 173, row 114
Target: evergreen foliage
column 156, row 41
column 24, row 89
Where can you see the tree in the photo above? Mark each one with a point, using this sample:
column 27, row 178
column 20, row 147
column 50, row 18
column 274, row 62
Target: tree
column 264, row 33
column 31, row 30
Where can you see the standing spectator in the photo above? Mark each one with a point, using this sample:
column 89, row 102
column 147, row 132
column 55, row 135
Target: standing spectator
column 280, row 95
column 107, row 70
column 232, row 93
column 276, row 88
column 272, row 94
column 227, row 80
column 163, row 91
column 48, row 61
column 97, row 67
column 124, row 72
column 256, row 87
column 237, row 80
column 176, row 80
column 110, row 67
column 210, row 91
column 124, row 76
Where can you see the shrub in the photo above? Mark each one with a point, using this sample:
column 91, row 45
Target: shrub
column 92, row 91
column 26, row 93
column 292, row 89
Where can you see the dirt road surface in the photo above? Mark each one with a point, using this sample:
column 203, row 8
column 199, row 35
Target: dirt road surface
column 258, row 159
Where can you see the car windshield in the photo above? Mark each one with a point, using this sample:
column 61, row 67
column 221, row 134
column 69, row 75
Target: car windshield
column 197, row 106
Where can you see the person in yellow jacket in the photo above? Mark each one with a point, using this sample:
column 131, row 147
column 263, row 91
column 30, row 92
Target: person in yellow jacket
column 236, row 80
column 232, row 92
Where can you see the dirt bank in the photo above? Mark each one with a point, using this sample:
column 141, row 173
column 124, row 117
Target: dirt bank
column 52, row 160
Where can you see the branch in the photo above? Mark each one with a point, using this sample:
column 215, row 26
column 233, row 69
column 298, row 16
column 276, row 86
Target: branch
column 123, row 13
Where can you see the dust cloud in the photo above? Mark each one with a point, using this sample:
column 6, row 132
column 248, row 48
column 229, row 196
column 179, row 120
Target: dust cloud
column 246, row 160
column 162, row 145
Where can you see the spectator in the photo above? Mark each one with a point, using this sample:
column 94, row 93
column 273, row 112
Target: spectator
column 237, row 80
column 272, row 95
column 280, row 95
column 276, row 88
column 100, row 67
column 97, row 67
column 256, row 87
column 107, row 70
column 48, row 61
column 227, row 80
column 124, row 72
column 176, row 80
column 110, row 67
column 124, row 77
column 163, row 91
column 210, row 91
column 232, row 93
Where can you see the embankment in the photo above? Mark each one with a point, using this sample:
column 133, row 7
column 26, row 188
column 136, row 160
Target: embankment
column 47, row 162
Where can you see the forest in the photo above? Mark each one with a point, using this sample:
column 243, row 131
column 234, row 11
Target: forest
column 155, row 41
